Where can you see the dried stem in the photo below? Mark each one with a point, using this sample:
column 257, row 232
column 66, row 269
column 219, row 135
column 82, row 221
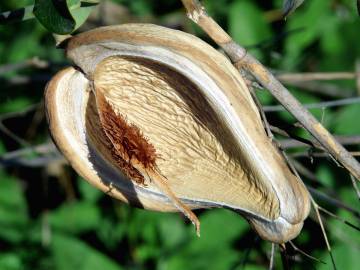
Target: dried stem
column 20, row 113
column 272, row 257
column 243, row 60
column 32, row 62
column 47, row 153
column 338, row 218
column 294, row 143
column 355, row 186
column 318, row 105
column 304, row 253
column 284, row 257
column 325, row 89
column 315, row 76
column 357, row 68
column 333, row 201
column 316, row 208
column 21, row 14
column 321, row 155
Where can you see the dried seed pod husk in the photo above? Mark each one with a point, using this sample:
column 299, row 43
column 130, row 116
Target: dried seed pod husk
column 146, row 105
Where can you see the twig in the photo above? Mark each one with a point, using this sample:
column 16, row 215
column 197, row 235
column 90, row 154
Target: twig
column 338, row 218
column 305, row 171
column 303, row 141
column 8, row 132
column 20, row 79
column 304, row 253
column 20, row 113
column 21, row 14
column 357, row 68
column 318, row 105
column 32, row 62
column 325, row 89
column 315, row 76
column 331, row 200
column 320, row 155
column 13, row 136
column 344, row 140
column 355, row 186
column 272, row 257
column 47, row 151
column 46, row 232
column 284, row 257
column 316, row 208
column 31, row 163
column 242, row 59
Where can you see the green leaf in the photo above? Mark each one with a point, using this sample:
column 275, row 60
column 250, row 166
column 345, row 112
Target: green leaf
column 247, row 24
column 54, row 16
column 220, row 228
column 71, row 253
column 344, row 122
column 82, row 12
column 213, row 238
column 172, row 232
column 62, row 17
column 12, row 201
column 13, row 209
column 325, row 176
column 111, row 232
column 88, row 192
column 306, row 26
column 13, row 105
column 10, row 261
column 75, row 217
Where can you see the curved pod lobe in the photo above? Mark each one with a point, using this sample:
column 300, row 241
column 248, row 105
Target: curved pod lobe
column 159, row 119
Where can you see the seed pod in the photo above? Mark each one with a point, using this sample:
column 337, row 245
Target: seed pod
column 159, row 119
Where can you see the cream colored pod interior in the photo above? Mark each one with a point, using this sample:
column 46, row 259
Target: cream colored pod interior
column 193, row 121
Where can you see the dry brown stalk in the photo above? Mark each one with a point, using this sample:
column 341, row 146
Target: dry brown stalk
column 315, row 76
column 243, row 60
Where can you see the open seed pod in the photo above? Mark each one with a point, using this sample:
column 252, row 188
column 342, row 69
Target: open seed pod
column 159, row 119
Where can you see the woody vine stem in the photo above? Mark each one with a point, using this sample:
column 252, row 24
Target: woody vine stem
column 242, row 60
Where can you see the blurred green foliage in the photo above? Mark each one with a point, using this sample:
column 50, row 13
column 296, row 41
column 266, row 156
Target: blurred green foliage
column 52, row 219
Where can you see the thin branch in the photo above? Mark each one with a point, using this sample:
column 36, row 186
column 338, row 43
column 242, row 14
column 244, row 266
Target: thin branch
column 318, row 105
column 303, row 170
column 315, row 76
column 243, row 60
column 305, row 254
column 23, row 79
column 284, row 257
column 325, row 89
column 295, row 138
column 333, row 201
column 320, row 154
column 330, row 199
column 21, row 14
column 47, row 151
column 13, row 136
column 316, row 208
column 355, row 186
column 344, row 140
column 357, row 68
column 20, row 113
column 338, row 218
column 32, row 62
column 272, row 257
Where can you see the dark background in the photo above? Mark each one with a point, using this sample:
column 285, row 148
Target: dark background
column 52, row 219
